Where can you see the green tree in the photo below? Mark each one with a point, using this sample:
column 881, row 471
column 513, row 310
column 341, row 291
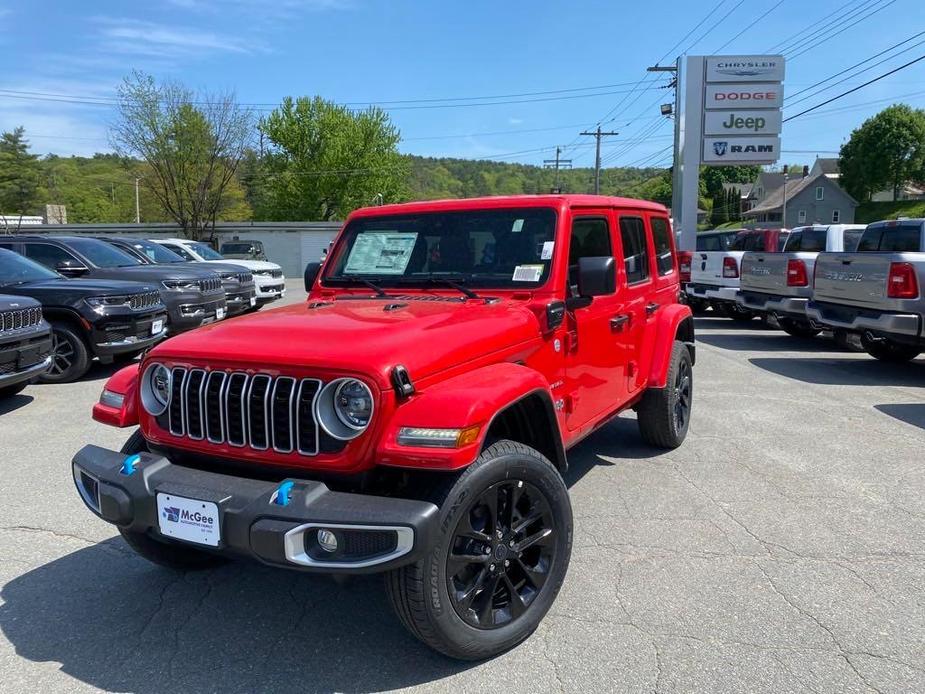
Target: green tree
column 20, row 173
column 191, row 145
column 885, row 152
column 325, row 160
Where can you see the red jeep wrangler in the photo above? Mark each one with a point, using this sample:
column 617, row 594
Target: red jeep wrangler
column 413, row 416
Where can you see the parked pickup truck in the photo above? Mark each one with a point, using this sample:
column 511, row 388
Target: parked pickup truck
column 780, row 284
column 877, row 291
column 715, row 274
column 706, row 241
column 413, row 416
column 25, row 343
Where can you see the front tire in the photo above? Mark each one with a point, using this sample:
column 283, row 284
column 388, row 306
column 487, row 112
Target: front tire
column 889, row 351
column 172, row 555
column 664, row 414
column 70, row 358
column 499, row 561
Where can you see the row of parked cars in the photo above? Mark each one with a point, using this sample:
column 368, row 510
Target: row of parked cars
column 853, row 280
column 66, row 300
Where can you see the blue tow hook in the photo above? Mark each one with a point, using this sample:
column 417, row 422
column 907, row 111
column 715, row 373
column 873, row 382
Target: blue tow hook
column 129, row 464
column 282, row 494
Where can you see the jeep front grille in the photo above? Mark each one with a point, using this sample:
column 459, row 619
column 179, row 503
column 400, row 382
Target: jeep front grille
column 140, row 302
column 255, row 411
column 18, row 319
column 210, row 285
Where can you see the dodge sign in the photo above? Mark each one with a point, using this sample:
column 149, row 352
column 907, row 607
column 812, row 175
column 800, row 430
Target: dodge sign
column 743, row 95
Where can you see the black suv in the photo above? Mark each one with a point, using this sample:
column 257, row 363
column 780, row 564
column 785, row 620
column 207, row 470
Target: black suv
column 237, row 281
column 107, row 319
column 25, row 343
column 193, row 296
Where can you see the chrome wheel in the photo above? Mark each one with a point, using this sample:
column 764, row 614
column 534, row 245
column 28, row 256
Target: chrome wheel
column 501, row 555
column 62, row 352
column 682, row 395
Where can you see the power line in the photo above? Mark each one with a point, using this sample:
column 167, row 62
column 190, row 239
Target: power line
column 851, row 91
column 597, row 135
column 749, row 26
column 823, row 39
column 802, row 36
column 712, row 28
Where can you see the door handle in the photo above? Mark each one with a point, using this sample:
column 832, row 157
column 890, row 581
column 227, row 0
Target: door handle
column 617, row 322
column 651, row 308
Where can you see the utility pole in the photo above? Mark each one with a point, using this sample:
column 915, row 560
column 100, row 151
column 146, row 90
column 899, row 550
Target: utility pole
column 597, row 135
column 783, row 209
column 559, row 164
column 137, row 204
column 676, row 114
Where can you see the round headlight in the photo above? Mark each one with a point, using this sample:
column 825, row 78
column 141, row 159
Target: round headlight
column 344, row 408
column 353, row 404
column 155, row 389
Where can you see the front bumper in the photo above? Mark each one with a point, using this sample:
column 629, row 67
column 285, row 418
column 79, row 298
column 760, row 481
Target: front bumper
column 905, row 326
column 116, row 336
column 241, row 301
column 25, row 357
column 790, row 306
column 376, row 533
column 712, row 293
column 190, row 309
column 270, row 288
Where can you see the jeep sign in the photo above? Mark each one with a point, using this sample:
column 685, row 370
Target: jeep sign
column 742, row 123
column 733, row 150
column 745, row 68
column 744, row 96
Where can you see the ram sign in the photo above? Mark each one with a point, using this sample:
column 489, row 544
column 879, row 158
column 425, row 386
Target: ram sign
column 741, row 150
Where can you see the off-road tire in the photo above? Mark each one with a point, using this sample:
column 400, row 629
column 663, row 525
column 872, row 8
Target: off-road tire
column 78, row 356
column 657, row 414
column 889, row 351
column 797, row 328
column 10, row 391
column 171, row 555
column 419, row 592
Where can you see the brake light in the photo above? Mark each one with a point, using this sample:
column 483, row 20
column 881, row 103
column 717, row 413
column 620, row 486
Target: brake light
column 902, row 282
column 730, row 268
column 684, row 265
column 796, row 273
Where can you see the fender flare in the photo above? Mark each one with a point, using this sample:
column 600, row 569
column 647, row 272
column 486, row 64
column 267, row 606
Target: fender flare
column 125, row 383
column 675, row 322
column 475, row 398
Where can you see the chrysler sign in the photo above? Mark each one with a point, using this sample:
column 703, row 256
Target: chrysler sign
column 745, row 68
column 742, row 123
column 737, row 150
column 743, row 96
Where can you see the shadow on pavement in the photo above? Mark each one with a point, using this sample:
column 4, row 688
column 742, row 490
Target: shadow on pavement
column 766, row 342
column 118, row 623
column 845, row 372
column 13, row 403
column 910, row 413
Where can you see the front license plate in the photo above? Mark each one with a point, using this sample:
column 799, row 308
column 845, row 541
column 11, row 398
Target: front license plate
column 188, row 519
column 219, row 313
column 253, row 301
column 157, row 327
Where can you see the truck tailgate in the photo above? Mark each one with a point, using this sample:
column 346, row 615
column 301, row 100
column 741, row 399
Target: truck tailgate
column 707, row 268
column 855, row 279
column 764, row 272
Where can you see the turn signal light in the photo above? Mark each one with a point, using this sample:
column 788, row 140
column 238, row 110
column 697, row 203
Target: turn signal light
column 730, row 268
column 796, row 273
column 684, row 265
column 902, row 282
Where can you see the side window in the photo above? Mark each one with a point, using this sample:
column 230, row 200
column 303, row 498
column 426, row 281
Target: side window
column 836, row 216
column 795, row 242
column 179, row 250
column 590, row 239
column 820, row 193
column 635, row 249
column 801, row 216
column 754, row 242
column 852, row 236
column 48, row 255
column 661, row 235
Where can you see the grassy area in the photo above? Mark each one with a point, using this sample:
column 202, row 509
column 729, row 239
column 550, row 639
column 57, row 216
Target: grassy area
column 868, row 212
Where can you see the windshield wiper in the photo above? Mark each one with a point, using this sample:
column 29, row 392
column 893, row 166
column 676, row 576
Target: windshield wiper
column 441, row 280
column 357, row 280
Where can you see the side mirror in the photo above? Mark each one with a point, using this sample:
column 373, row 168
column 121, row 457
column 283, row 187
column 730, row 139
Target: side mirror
column 311, row 274
column 555, row 314
column 597, row 276
column 71, row 268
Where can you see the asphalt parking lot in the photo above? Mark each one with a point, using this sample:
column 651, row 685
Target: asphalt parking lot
column 781, row 549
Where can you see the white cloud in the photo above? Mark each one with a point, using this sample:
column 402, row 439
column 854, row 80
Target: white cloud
column 264, row 7
column 137, row 37
column 56, row 131
column 515, row 121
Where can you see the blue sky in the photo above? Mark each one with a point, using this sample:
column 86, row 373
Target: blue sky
column 361, row 51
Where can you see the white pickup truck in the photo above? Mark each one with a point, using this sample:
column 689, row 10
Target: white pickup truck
column 715, row 274
column 780, row 284
column 876, row 291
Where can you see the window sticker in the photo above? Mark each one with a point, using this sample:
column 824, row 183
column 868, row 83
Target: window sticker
column 528, row 273
column 381, row 253
column 518, row 226
column 548, row 246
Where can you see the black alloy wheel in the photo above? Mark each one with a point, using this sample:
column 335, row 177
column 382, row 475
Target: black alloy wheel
column 62, row 355
column 682, row 391
column 70, row 358
column 501, row 554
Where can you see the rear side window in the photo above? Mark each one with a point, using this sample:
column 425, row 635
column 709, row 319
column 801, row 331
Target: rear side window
column 180, row 251
column 808, row 240
column 748, row 241
column 48, row 255
column 714, row 242
column 904, row 238
column 851, row 239
column 782, row 241
column 661, row 235
column 635, row 249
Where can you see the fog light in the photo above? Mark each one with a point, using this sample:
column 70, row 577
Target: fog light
column 327, row 540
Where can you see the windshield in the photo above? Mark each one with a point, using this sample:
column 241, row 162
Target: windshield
column 101, row 254
column 239, row 248
column 898, row 238
column 15, row 269
column 714, row 242
column 205, row 251
column 810, row 239
column 508, row 248
column 155, row 252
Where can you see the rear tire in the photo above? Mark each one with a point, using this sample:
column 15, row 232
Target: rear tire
column 889, row 351
column 171, row 555
column 458, row 599
column 797, row 328
column 664, row 414
column 70, row 356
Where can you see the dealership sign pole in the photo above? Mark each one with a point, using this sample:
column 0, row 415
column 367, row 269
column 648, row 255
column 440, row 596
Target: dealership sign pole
column 732, row 117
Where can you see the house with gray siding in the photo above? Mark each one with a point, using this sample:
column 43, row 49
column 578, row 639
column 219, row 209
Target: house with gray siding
column 813, row 199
